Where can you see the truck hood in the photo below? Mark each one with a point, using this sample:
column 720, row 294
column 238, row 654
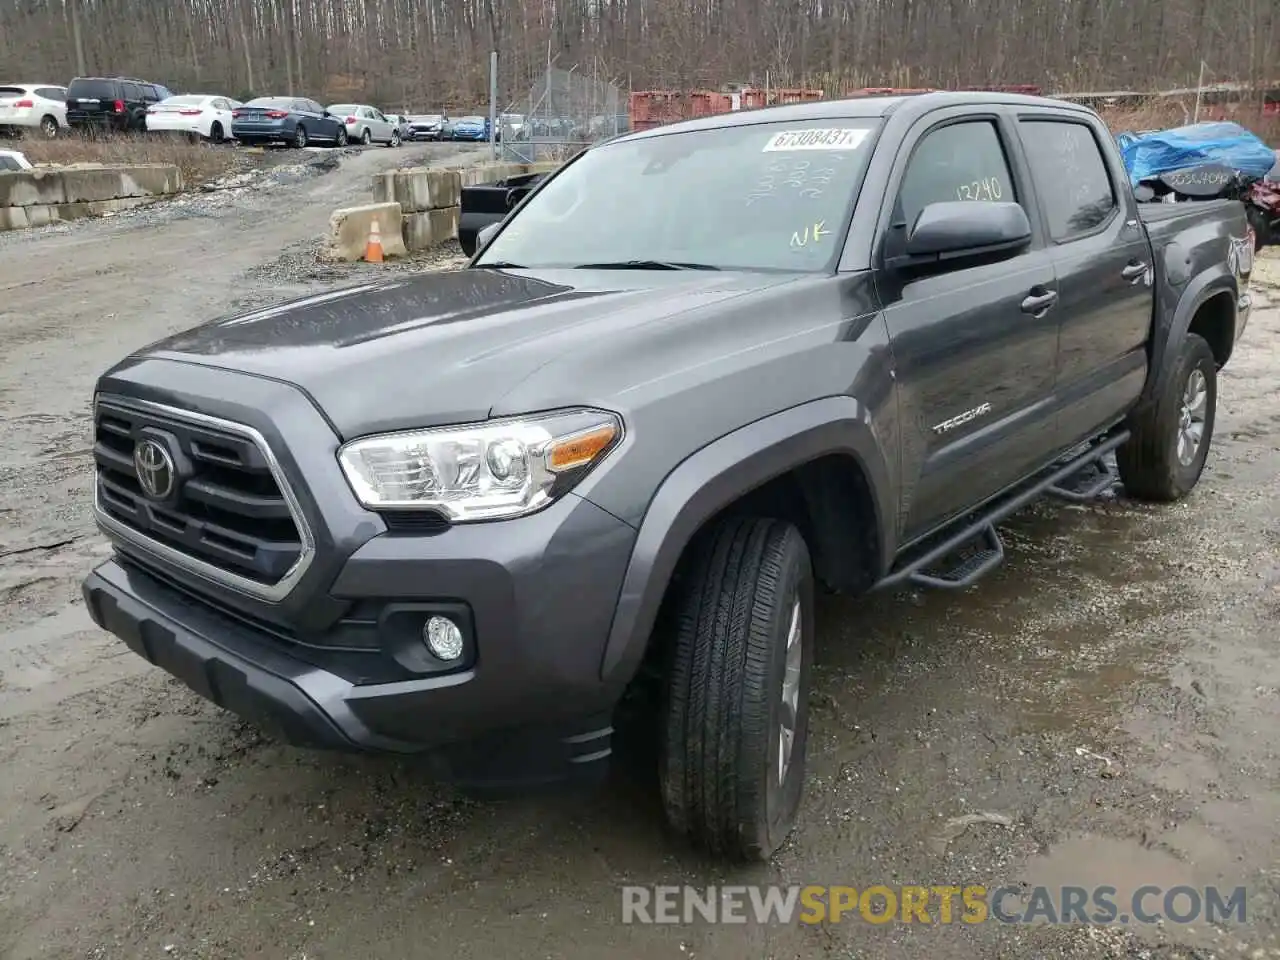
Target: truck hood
column 438, row 348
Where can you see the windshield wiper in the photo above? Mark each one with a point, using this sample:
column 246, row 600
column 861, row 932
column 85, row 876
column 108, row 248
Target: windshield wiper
column 645, row 265
column 500, row 265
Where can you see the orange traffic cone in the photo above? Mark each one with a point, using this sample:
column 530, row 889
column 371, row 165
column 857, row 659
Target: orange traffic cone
column 373, row 249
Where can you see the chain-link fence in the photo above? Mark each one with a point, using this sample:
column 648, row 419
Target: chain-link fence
column 563, row 112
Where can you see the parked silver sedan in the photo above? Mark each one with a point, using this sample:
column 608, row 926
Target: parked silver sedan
column 366, row 124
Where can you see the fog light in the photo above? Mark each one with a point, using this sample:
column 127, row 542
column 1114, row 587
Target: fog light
column 443, row 637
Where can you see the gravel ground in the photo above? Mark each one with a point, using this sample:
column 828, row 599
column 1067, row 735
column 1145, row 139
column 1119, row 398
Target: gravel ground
column 1111, row 696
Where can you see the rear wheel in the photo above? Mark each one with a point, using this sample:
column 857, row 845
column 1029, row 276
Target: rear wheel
column 215, row 132
column 366, row 138
column 395, row 139
column 341, row 140
column 300, row 137
column 1163, row 459
column 737, row 717
column 49, row 127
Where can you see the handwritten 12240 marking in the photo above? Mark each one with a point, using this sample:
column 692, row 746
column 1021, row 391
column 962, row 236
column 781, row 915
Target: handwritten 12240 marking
column 801, row 238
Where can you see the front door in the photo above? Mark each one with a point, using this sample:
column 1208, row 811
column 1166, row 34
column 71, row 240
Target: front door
column 974, row 353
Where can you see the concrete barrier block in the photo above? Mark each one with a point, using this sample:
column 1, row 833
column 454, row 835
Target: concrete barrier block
column 430, row 228
column 349, row 231
column 25, row 188
column 89, row 184
column 43, row 214
column 418, row 188
column 489, row 172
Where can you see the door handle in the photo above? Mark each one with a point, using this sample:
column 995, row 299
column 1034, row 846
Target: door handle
column 1038, row 303
column 1135, row 271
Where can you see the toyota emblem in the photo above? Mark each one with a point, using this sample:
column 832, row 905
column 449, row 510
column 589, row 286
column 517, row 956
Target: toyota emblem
column 154, row 466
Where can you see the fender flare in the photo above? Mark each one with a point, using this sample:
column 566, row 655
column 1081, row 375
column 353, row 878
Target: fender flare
column 1209, row 283
column 714, row 477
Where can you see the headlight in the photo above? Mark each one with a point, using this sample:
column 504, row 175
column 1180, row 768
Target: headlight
column 482, row 471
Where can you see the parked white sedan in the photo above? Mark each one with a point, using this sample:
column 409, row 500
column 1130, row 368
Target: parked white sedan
column 196, row 115
column 11, row 160
column 366, row 124
column 31, row 107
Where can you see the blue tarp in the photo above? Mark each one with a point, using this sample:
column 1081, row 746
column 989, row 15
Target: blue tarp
column 1151, row 154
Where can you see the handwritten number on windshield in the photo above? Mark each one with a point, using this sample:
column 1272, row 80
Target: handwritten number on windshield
column 988, row 188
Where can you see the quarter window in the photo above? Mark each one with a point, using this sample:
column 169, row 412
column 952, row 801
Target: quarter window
column 1070, row 176
column 960, row 161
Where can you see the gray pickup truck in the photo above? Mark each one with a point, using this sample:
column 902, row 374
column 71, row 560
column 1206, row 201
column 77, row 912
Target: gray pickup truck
column 698, row 374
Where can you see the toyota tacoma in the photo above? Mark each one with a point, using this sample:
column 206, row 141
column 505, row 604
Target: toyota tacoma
column 695, row 377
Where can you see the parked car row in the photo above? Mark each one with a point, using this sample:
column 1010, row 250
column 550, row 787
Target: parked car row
column 129, row 105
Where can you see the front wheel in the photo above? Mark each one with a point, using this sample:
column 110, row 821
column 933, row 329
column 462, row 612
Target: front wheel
column 1163, row 459
column 395, row 139
column 737, row 718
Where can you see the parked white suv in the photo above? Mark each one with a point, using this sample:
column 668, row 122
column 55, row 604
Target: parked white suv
column 30, row 107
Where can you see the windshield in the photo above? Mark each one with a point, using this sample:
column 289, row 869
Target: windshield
column 762, row 197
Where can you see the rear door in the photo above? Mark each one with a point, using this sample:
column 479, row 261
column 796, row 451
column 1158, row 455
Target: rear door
column 1103, row 262
column 8, row 97
column 974, row 358
column 382, row 126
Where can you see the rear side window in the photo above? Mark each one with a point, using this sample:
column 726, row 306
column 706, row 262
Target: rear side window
column 132, row 91
column 960, row 161
column 91, row 90
column 9, row 163
column 12, row 91
column 51, row 93
column 1070, row 176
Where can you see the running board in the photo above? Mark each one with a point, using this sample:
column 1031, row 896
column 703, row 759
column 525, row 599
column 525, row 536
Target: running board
column 1072, row 481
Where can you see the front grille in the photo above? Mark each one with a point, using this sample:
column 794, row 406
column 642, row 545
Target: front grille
column 227, row 509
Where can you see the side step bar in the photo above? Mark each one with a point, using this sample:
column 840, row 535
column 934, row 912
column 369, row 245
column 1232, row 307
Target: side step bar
column 1081, row 478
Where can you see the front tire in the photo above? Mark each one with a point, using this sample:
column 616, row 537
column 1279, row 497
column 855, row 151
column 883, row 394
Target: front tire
column 1164, row 458
column 395, row 139
column 737, row 718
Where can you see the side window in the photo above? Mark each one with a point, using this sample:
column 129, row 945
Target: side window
column 149, row 93
column 302, row 106
column 51, row 93
column 1070, row 176
column 959, row 161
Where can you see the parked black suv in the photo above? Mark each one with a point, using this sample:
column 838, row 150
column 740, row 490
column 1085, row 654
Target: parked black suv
column 111, row 103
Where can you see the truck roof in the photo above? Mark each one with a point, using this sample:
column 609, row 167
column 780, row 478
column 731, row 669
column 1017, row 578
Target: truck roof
column 875, row 106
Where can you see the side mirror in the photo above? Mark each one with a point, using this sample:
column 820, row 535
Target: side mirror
column 485, row 235
column 964, row 228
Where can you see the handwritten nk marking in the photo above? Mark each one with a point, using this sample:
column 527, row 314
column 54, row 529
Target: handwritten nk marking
column 801, row 238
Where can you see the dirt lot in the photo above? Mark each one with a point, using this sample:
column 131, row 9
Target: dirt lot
column 138, row 821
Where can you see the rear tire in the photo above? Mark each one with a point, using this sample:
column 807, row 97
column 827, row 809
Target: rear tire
column 395, row 139
column 341, row 140
column 1164, row 458
column 300, row 137
column 49, row 127
column 736, row 723
column 215, row 132
column 366, row 138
